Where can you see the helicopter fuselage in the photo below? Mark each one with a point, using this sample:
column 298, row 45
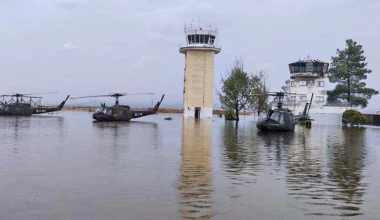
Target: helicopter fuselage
column 278, row 120
column 120, row 113
column 19, row 109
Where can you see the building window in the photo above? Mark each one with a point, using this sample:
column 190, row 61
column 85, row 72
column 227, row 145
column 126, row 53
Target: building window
column 292, row 84
column 302, row 67
column 309, row 67
column 320, row 99
column 320, row 83
column 302, row 83
column 292, row 98
column 303, row 98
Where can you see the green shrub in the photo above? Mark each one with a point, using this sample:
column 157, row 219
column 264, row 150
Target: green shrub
column 229, row 115
column 352, row 117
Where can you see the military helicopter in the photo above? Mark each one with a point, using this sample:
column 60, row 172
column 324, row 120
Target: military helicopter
column 282, row 119
column 120, row 112
column 25, row 105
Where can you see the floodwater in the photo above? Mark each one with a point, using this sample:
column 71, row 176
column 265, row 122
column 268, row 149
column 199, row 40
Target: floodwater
column 65, row 166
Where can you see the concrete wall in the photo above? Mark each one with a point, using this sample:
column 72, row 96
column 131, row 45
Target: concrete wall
column 199, row 82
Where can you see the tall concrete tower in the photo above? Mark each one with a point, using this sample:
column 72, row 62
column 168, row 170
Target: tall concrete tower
column 199, row 70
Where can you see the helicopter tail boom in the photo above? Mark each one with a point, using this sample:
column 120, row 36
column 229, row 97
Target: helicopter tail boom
column 158, row 104
column 46, row 109
column 63, row 103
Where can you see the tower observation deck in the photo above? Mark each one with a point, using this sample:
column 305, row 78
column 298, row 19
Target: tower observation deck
column 201, row 46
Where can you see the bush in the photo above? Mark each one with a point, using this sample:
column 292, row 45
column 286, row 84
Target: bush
column 229, row 115
column 352, row 117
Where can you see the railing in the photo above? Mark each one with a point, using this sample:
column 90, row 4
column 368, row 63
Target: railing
column 338, row 104
column 217, row 46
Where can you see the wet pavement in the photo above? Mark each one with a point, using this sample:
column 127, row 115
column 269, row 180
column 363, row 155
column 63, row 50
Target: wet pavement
column 65, row 166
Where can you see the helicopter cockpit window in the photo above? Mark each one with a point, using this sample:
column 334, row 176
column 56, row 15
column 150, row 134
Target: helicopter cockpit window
column 275, row 116
column 99, row 109
column 282, row 121
column 278, row 117
column 107, row 111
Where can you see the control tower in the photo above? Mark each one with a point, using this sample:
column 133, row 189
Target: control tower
column 199, row 53
column 308, row 77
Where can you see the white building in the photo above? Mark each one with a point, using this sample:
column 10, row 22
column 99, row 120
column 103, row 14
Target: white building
column 199, row 53
column 309, row 77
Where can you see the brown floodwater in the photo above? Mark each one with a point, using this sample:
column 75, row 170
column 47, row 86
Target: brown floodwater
column 65, row 166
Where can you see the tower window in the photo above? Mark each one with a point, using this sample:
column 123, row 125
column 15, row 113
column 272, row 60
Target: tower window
column 197, row 38
column 302, row 67
column 207, row 37
column 292, row 84
column 202, row 38
column 320, row 83
column 315, row 67
column 291, row 67
column 302, row 83
column 320, row 67
column 212, row 39
column 309, row 67
column 292, row 98
column 303, row 98
column 320, row 99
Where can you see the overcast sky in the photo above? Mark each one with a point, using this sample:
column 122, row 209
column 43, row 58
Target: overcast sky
column 90, row 47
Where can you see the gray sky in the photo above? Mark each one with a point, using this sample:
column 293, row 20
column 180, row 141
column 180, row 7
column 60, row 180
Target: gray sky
column 89, row 47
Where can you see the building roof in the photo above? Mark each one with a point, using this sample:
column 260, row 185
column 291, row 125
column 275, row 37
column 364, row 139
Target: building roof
column 308, row 61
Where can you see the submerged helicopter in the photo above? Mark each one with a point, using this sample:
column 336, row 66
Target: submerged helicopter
column 120, row 112
column 25, row 105
column 282, row 119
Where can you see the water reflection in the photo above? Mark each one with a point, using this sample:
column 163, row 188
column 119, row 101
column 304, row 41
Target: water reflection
column 276, row 147
column 122, row 132
column 325, row 179
column 305, row 173
column 195, row 182
column 347, row 158
column 240, row 153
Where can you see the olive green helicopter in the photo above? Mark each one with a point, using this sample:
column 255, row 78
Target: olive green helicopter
column 19, row 104
column 282, row 119
column 119, row 112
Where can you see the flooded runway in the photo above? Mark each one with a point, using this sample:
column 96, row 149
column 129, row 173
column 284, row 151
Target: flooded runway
column 65, row 166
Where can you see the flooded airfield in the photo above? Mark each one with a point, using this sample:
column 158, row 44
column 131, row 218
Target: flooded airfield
column 65, row 166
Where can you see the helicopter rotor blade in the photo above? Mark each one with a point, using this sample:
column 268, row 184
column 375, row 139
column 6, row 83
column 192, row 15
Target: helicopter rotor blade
column 127, row 94
column 112, row 95
column 34, row 97
column 38, row 93
column 91, row 96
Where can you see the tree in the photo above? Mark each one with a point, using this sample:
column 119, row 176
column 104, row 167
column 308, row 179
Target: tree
column 286, row 88
column 236, row 88
column 352, row 117
column 259, row 99
column 348, row 70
